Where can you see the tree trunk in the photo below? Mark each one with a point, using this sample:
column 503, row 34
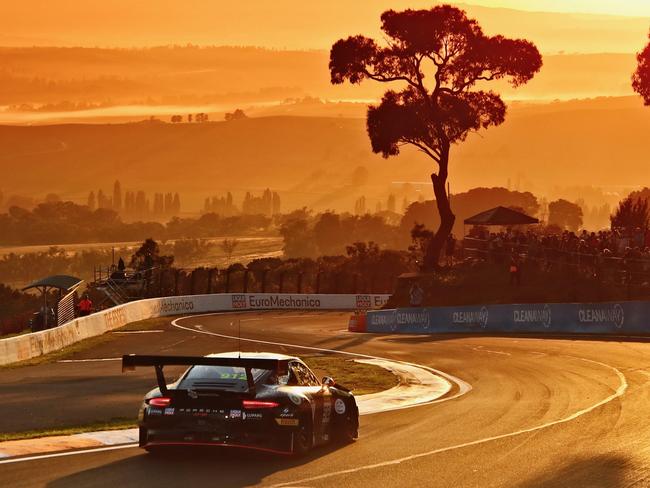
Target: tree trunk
column 447, row 218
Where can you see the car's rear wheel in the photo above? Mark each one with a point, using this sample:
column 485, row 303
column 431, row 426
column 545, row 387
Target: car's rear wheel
column 302, row 438
column 348, row 430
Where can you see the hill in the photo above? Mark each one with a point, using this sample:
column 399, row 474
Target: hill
column 326, row 162
column 290, row 24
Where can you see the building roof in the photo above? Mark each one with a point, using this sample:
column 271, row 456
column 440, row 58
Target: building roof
column 62, row 282
column 501, row 216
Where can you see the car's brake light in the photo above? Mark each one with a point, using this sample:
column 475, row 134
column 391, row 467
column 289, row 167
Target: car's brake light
column 160, row 402
column 249, row 404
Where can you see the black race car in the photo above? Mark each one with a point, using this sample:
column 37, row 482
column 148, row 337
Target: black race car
column 263, row 401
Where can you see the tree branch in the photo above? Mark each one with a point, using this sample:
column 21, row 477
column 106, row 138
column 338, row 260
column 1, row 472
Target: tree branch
column 426, row 150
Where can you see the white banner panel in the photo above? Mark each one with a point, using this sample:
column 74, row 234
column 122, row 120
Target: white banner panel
column 27, row 346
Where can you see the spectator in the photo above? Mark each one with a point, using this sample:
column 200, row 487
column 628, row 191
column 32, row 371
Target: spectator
column 416, row 295
column 515, row 270
column 85, row 306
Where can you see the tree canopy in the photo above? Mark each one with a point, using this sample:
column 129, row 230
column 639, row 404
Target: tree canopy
column 444, row 43
column 641, row 77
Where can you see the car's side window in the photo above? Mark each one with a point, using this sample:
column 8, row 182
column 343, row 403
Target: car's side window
column 295, row 376
column 307, row 377
column 313, row 380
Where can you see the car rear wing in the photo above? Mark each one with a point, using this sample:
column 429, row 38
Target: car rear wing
column 132, row 361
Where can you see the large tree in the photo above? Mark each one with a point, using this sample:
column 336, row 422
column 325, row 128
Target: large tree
column 641, row 77
column 441, row 44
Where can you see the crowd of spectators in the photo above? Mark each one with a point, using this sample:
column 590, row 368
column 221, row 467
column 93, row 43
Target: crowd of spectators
column 617, row 252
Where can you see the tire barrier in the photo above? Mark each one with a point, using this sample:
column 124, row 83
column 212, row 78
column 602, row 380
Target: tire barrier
column 617, row 318
column 28, row 346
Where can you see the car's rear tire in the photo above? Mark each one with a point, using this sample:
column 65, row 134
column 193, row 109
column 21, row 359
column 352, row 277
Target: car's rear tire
column 303, row 439
column 348, row 430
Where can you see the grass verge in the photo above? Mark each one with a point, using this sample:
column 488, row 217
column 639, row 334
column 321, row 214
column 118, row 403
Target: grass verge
column 113, row 424
column 72, row 349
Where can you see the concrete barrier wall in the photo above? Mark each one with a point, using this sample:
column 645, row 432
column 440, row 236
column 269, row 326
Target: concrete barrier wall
column 27, row 346
column 625, row 318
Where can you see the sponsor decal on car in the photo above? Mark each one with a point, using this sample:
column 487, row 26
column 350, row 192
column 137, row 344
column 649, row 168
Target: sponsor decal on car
column 251, row 415
column 287, row 422
column 235, row 414
column 169, row 411
column 327, row 409
column 295, row 398
column 339, row 406
column 155, row 411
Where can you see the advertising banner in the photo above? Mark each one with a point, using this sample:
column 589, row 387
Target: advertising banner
column 27, row 346
column 626, row 318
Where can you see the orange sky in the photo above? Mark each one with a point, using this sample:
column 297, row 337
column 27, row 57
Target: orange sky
column 280, row 24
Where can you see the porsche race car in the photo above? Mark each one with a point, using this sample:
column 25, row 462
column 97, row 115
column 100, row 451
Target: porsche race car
column 262, row 401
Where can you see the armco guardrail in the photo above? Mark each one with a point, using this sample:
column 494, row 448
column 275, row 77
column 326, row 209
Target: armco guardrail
column 624, row 318
column 32, row 345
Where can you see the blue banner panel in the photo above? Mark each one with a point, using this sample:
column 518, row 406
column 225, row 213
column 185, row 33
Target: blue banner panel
column 632, row 318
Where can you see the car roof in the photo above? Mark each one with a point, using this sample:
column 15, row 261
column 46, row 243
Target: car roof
column 251, row 355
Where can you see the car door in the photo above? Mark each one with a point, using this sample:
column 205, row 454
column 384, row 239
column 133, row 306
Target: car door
column 322, row 402
column 308, row 385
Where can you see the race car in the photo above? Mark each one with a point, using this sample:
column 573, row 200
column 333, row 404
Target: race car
column 262, row 401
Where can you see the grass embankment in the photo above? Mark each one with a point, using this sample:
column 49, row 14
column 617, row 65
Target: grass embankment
column 72, row 349
column 113, row 424
column 360, row 378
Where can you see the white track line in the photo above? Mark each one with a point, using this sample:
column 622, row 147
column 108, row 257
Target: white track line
column 623, row 385
column 463, row 387
column 66, row 453
column 87, row 360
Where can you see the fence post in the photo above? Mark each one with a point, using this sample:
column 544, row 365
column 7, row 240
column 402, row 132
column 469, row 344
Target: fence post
column 299, row 284
column 317, row 286
column 264, row 273
column 161, row 276
column 176, row 278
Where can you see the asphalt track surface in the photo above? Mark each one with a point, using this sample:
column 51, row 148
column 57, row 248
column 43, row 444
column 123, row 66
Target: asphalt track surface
column 541, row 412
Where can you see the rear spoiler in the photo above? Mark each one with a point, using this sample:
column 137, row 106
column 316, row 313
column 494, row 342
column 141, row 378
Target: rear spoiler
column 132, row 361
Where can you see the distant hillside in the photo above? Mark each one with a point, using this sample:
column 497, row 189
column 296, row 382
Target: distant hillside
column 292, row 24
column 227, row 77
column 312, row 160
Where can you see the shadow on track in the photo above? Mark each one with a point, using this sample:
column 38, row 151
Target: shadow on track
column 187, row 468
column 608, row 471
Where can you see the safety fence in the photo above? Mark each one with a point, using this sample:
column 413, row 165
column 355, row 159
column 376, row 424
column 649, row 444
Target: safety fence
column 621, row 318
column 27, row 346
column 633, row 267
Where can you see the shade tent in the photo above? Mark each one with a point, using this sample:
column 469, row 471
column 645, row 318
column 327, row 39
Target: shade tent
column 501, row 216
column 65, row 284
column 62, row 282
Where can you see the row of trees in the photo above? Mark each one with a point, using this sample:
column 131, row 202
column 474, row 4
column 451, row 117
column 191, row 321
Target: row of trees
column 198, row 118
column 66, row 222
column 136, row 204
